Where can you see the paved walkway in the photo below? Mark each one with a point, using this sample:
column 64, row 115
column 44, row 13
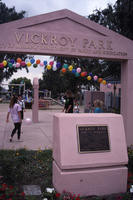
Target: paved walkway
column 35, row 135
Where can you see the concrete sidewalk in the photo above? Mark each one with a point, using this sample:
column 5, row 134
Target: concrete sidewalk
column 35, row 135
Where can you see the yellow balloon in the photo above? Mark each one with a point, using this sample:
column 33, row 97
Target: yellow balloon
column 104, row 82
column 28, row 64
column 4, row 63
column 49, row 67
column 88, row 78
column 70, row 68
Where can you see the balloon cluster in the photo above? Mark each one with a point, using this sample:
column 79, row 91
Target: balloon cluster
column 54, row 66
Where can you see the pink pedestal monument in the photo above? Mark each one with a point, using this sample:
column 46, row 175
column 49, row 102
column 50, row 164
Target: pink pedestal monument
column 90, row 154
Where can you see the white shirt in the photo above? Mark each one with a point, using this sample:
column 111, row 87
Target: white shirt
column 14, row 112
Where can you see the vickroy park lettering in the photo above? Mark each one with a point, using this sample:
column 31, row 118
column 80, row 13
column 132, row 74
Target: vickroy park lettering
column 51, row 40
column 60, row 43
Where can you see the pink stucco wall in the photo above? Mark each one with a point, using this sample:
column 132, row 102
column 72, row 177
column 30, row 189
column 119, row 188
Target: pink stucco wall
column 66, row 33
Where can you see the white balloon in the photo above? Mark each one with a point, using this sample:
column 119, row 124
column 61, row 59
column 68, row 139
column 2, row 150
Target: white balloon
column 27, row 60
column 28, row 121
column 54, row 65
column 54, row 68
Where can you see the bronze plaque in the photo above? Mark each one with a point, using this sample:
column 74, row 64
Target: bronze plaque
column 93, row 138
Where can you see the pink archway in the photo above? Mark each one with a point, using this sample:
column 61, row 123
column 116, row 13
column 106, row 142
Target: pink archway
column 66, row 33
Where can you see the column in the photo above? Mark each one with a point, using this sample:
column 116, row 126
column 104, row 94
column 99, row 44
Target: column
column 35, row 101
column 127, row 98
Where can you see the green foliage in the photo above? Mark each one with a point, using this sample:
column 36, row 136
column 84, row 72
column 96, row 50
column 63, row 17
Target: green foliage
column 24, row 167
column 117, row 18
column 7, row 15
column 27, row 82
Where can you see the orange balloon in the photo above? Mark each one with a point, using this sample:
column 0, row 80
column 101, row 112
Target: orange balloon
column 38, row 61
column 100, row 80
column 63, row 70
column 19, row 60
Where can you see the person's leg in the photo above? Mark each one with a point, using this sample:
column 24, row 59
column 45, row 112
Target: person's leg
column 13, row 131
column 22, row 116
column 19, row 130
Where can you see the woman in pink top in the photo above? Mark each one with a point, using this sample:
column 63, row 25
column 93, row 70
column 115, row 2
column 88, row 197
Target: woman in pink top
column 15, row 110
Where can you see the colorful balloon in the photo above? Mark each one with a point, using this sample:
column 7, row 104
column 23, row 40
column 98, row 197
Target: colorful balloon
column 1, row 65
column 49, row 67
column 41, row 64
column 35, row 65
column 38, row 61
column 19, row 60
column 54, row 68
column 77, row 74
column 85, row 73
column 109, row 85
column 100, row 80
column 89, row 78
column 63, row 70
column 73, row 71
column 28, row 64
column 58, row 65
column 65, row 65
column 22, row 63
column 4, row 63
column 82, row 74
column 10, row 65
column 32, row 60
column 45, row 62
column 95, row 78
column 17, row 65
column 78, row 70
column 90, row 74
column 51, row 63
column 27, row 60
column 104, row 82
column 70, row 68
column 12, row 61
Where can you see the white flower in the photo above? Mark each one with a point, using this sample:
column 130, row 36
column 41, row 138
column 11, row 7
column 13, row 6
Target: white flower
column 45, row 199
column 49, row 190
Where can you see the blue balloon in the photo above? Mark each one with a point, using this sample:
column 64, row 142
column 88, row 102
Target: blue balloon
column 58, row 65
column 32, row 60
column 12, row 61
column 45, row 62
column 73, row 71
column 90, row 74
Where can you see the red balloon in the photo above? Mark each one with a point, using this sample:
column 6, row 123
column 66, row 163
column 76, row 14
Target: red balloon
column 63, row 70
column 100, row 80
column 38, row 61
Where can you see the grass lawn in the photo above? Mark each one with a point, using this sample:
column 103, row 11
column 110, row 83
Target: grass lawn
column 23, row 167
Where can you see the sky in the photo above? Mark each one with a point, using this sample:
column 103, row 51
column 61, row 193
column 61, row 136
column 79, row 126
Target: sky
column 37, row 7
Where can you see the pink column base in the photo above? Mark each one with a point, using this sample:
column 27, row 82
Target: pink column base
column 87, row 182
